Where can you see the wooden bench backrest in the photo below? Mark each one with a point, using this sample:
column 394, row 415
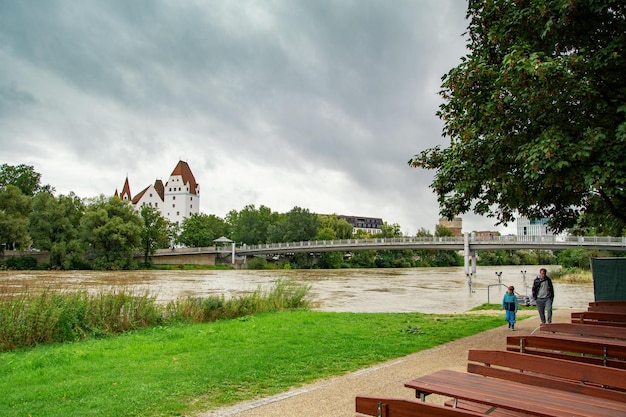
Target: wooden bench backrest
column 592, row 350
column 395, row 407
column 582, row 378
column 620, row 309
column 599, row 317
column 608, row 303
column 610, row 332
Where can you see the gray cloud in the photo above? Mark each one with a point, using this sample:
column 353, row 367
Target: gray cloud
column 318, row 104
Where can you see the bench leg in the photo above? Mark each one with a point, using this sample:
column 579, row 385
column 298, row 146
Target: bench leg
column 421, row 395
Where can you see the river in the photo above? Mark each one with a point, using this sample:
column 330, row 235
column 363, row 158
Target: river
column 426, row 290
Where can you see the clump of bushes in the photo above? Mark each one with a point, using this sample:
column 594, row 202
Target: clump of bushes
column 28, row 319
column 19, row 263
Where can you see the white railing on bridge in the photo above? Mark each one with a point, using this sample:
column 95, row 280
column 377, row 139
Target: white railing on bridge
column 445, row 240
column 354, row 242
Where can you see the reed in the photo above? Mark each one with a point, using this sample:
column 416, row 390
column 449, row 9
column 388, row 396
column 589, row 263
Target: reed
column 28, row 319
column 284, row 295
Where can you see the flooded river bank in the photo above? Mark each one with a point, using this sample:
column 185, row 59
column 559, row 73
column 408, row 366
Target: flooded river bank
column 426, row 290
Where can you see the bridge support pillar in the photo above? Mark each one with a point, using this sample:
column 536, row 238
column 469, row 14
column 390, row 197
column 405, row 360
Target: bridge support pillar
column 474, row 262
column 466, row 253
column 469, row 256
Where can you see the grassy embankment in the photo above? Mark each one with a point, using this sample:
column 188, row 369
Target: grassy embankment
column 178, row 368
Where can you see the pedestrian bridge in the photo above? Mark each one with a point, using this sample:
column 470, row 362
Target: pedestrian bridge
column 469, row 244
column 440, row 243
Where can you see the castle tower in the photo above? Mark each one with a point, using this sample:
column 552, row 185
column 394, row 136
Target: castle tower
column 182, row 194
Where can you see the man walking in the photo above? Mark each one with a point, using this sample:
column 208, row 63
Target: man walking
column 543, row 293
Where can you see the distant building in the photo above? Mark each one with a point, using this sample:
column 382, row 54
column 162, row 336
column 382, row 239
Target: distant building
column 369, row 225
column 177, row 199
column 533, row 227
column 486, row 235
column 455, row 225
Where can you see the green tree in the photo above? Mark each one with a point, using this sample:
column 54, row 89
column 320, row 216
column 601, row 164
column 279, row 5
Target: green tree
column 154, row 232
column 443, row 231
column 390, row 230
column 575, row 258
column 111, row 230
column 361, row 234
column 23, row 177
column 54, row 226
column 343, row 229
column 15, row 208
column 329, row 260
column 250, row 225
column 363, row 259
column 294, row 226
column 201, row 230
column 536, row 115
column 424, row 256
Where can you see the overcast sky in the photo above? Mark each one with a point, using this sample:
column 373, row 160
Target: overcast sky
column 316, row 104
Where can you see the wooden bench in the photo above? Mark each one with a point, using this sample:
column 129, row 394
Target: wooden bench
column 594, row 330
column 395, row 407
column 593, row 350
column 599, row 317
column 607, row 304
column 482, row 409
column 514, row 397
column 582, row 378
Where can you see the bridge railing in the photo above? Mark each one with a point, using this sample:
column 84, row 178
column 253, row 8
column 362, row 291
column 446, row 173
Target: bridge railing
column 510, row 239
column 353, row 242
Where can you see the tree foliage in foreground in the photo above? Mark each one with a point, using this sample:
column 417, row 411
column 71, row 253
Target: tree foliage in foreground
column 536, row 115
column 55, row 226
column 111, row 230
column 154, row 232
column 14, row 210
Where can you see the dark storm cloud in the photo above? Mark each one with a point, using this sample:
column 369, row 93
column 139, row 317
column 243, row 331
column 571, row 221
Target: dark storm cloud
column 329, row 99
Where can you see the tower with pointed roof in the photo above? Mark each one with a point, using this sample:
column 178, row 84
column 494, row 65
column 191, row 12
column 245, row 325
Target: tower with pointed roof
column 182, row 194
column 125, row 194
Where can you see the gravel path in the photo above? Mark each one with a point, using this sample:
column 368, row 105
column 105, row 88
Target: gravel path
column 334, row 397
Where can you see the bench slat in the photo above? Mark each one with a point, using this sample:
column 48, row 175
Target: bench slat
column 515, row 396
column 488, row 409
column 396, row 407
column 599, row 347
column 582, row 378
column 608, row 303
column 594, row 330
column 599, row 317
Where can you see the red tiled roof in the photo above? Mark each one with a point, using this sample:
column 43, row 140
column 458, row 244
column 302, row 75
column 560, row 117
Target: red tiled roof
column 160, row 189
column 182, row 169
column 126, row 190
column 138, row 196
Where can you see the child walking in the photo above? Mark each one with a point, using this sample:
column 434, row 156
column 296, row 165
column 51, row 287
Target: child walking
column 510, row 306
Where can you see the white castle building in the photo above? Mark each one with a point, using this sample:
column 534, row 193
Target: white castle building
column 177, row 199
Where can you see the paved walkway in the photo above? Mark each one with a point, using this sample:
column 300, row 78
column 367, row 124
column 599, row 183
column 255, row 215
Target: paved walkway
column 334, row 397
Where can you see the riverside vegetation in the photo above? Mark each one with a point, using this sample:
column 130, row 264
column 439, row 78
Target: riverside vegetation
column 191, row 355
column 56, row 316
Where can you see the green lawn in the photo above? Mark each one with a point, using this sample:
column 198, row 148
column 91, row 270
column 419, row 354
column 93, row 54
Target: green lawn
column 179, row 370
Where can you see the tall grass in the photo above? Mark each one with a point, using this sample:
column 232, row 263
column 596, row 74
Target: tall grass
column 28, row 319
column 571, row 275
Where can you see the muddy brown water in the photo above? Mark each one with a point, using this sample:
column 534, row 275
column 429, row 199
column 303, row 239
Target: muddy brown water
column 426, row 290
